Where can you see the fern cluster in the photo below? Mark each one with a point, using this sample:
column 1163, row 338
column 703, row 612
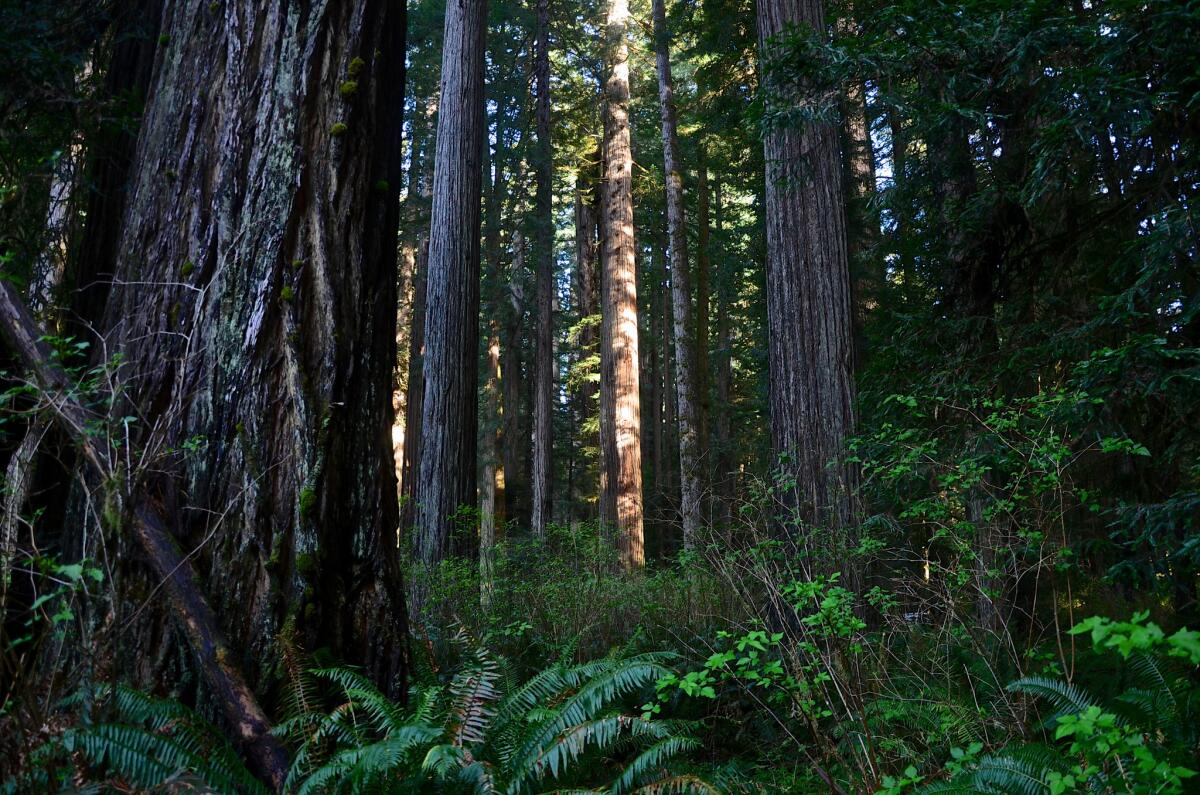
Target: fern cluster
column 565, row 728
column 144, row 744
column 1135, row 741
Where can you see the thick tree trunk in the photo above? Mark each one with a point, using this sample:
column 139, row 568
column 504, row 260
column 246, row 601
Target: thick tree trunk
column 808, row 297
column 446, row 477
column 543, row 380
column 253, row 301
column 619, row 343
column 150, row 522
column 681, row 299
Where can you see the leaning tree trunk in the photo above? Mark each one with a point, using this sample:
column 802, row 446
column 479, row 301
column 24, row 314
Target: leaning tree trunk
column 253, row 303
column 446, row 476
column 543, row 371
column 681, row 291
column 619, row 343
column 808, row 294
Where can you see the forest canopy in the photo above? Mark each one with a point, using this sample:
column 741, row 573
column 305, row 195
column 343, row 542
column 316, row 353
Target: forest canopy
column 637, row 396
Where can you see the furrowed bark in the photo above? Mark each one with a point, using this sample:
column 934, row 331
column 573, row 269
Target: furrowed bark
column 543, row 381
column 149, row 521
column 619, row 343
column 446, row 480
column 681, row 298
column 808, row 294
column 252, row 298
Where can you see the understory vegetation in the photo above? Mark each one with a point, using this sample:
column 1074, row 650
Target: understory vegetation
column 329, row 468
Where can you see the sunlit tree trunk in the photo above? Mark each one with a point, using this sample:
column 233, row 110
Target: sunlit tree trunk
column 619, row 342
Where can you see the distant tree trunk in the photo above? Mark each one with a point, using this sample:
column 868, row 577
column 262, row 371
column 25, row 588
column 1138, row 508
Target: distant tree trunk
column 446, row 478
column 681, row 297
column 404, row 291
column 516, row 441
column 587, row 289
column 810, row 342
column 867, row 267
column 722, row 439
column 415, row 397
column 411, row 307
column 619, row 341
column 703, row 298
column 253, row 299
column 491, row 456
column 654, row 383
column 899, row 152
column 543, row 381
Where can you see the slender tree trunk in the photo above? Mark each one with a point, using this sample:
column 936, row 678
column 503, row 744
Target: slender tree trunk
column 587, row 287
column 619, row 343
column 869, row 275
column 543, row 386
column 703, row 297
column 491, row 457
column 899, row 151
column 723, row 380
column 415, row 396
column 808, row 297
column 446, row 478
column 681, row 298
column 516, row 441
column 404, row 289
column 416, row 389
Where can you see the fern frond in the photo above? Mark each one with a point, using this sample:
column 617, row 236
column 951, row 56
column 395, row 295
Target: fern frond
column 617, row 679
column 653, row 757
column 678, row 785
column 473, row 690
column 1065, row 697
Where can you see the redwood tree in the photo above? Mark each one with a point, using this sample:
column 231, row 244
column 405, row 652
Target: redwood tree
column 621, row 423
column 681, row 297
column 543, row 387
column 810, row 343
column 446, row 473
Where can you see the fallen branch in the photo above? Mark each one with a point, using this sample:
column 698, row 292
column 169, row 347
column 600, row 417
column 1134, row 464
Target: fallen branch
column 149, row 523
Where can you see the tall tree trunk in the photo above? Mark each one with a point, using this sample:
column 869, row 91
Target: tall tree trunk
column 619, row 342
column 681, row 298
column 253, row 299
column 810, row 342
column 446, row 478
column 543, row 381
